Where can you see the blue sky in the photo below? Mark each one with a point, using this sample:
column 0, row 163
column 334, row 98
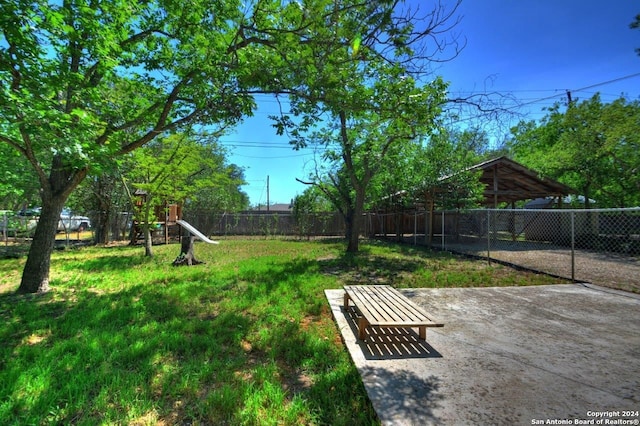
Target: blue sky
column 530, row 50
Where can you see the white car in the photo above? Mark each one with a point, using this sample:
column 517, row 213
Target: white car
column 25, row 221
column 69, row 222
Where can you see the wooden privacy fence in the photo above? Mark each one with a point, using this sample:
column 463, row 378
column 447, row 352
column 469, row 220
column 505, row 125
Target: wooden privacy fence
column 267, row 223
column 260, row 223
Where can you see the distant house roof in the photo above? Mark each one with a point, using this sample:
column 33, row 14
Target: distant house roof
column 544, row 203
column 276, row 207
column 507, row 181
column 281, row 207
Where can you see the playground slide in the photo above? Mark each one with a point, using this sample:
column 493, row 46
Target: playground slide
column 195, row 232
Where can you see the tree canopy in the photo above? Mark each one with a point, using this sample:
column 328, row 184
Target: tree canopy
column 368, row 102
column 590, row 146
column 83, row 82
column 175, row 169
column 18, row 187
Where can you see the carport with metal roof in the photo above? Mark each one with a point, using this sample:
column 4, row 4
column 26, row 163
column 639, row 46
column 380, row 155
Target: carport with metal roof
column 504, row 181
column 507, row 181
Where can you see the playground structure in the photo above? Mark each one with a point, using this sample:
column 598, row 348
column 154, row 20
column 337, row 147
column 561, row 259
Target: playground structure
column 197, row 234
column 168, row 224
column 163, row 223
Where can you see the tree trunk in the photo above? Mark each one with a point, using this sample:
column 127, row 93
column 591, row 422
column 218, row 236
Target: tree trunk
column 102, row 225
column 354, row 232
column 348, row 228
column 186, row 256
column 35, row 276
column 353, row 241
column 148, row 241
column 54, row 191
column 587, row 200
column 353, row 236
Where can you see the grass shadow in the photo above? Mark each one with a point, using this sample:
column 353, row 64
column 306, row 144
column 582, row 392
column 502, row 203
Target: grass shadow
column 116, row 258
column 14, row 251
column 109, row 350
column 370, row 267
column 188, row 348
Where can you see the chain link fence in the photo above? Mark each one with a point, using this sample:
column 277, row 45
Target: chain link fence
column 20, row 227
column 14, row 227
column 600, row 246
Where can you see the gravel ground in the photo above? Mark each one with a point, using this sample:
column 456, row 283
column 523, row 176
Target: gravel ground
column 604, row 269
column 612, row 271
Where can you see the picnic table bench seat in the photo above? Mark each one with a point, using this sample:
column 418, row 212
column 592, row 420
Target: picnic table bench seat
column 384, row 306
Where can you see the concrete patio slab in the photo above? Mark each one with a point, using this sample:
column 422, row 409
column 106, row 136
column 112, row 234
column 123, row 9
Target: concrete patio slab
column 556, row 354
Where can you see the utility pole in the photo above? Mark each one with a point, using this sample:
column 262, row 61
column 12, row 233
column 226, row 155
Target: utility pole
column 569, row 99
column 267, row 192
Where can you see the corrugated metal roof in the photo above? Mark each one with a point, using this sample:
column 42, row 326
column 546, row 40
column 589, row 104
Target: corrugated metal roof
column 506, row 180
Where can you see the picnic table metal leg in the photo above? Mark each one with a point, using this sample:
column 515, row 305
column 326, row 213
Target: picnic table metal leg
column 346, row 300
column 422, row 332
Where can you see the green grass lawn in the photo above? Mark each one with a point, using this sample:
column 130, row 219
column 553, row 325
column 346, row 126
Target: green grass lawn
column 246, row 338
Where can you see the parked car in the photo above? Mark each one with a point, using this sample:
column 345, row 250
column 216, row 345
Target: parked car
column 22, row 223
column 69, row 222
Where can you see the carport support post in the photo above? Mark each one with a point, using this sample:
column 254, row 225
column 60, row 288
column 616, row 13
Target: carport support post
column 431, row 221
column 489, row 236
column 573, row 244
column 443, row 244
column 415, row 226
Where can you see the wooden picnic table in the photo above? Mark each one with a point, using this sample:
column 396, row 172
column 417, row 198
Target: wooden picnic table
column 384, row 306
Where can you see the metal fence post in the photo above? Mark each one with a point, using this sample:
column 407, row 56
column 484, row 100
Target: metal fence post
column 5, row 229
column 443, row 244
column 415, row 227
column 573, row 246
column 489, row 236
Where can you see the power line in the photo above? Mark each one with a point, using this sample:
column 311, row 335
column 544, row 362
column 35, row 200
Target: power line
column 603, row 83
column 256, row 144
column 527, row 102
column 615, row 80
column 271, row 158
column 543, row 100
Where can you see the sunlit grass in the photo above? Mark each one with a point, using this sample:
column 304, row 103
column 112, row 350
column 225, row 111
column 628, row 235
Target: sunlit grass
column 246, row 338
